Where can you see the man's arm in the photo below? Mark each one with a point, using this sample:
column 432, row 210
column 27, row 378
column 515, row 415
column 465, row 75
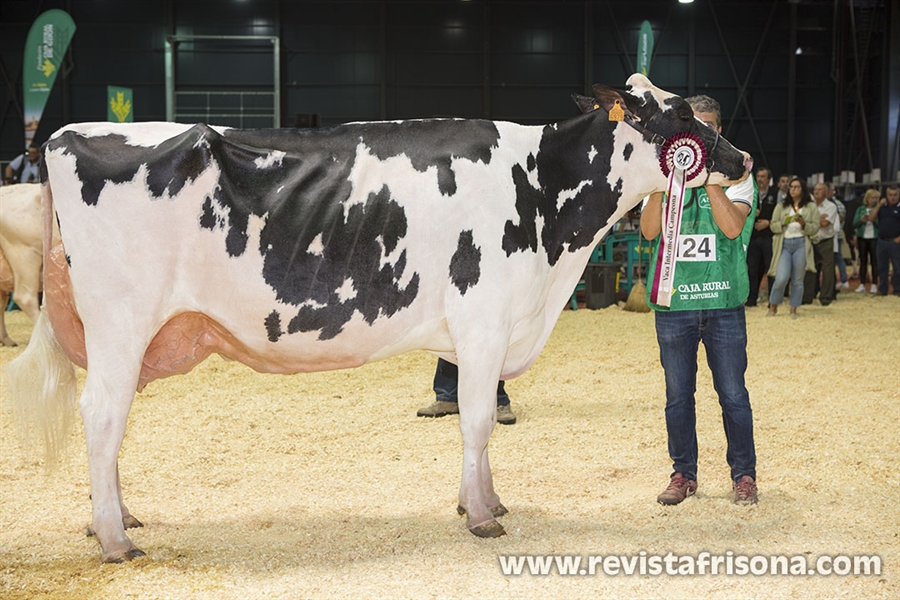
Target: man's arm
column 651, row 217
column 13, row 166
column 824, row 216
column 729, row 214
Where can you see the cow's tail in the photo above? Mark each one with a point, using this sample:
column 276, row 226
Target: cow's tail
column 42, row 391
column 41, row 383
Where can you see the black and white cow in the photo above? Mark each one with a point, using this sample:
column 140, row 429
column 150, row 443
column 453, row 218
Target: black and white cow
column 310, row 250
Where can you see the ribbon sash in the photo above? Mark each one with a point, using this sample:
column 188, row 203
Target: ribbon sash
column 666, row 259
column 682, row 158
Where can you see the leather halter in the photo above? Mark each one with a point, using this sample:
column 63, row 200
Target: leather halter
column 658, row 140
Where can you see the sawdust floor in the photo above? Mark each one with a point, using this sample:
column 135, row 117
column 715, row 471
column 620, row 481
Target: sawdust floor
column 328, row 486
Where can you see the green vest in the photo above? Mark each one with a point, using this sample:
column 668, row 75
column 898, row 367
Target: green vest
column 710, row 270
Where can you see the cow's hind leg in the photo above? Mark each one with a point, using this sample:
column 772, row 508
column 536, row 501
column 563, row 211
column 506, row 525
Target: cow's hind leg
column 105, row 403
column 5, row 340
column 477, row 416
column 129, row 521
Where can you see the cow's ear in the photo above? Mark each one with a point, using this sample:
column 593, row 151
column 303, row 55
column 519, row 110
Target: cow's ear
column 585, row 104
column 607, row 96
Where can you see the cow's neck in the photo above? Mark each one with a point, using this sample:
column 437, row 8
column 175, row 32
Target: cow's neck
column 576, row 201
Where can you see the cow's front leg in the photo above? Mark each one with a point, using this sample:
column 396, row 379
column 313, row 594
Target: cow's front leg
column 477, row 416
column 487, row 485
column 105, row 413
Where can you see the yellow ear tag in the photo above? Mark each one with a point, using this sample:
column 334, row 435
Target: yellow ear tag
column 616, row 113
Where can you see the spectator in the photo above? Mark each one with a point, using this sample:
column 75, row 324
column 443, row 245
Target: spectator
column 793, row 222
column 446, row 386
column 888, row 250
column 839, row 227
column 866, row 224
column 823, row 252
column 851, row 202
column 783, row 193
column 759, row 251
column 25, row 167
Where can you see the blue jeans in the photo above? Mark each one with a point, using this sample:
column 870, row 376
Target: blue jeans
column 724, row 335
column 446, row 384
column 887, row 251
column 791, row 267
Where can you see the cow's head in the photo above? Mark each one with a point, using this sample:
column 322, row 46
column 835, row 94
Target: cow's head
column 659, row 115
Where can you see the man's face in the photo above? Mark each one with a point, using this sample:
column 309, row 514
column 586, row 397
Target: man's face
column 709, row 118
column 819, row 192
column 762, row 180
column 783, row 183
column 33, row 154
column 893, row 196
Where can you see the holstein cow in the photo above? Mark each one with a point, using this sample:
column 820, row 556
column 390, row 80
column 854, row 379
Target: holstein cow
column 20, row 250
column 300, row 251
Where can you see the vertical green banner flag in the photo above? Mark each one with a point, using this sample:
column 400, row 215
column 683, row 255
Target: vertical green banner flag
column 46, row 45
column 645, row 48
column 118, row 105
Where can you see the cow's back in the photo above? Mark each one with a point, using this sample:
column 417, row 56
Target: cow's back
column 300, row 250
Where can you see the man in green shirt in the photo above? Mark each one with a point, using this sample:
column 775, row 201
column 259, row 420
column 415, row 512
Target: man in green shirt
column 709, row 287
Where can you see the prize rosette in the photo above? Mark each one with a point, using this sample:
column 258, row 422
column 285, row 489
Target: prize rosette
column 685, row 152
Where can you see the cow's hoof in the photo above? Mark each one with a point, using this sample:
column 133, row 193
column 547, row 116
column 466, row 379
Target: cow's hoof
column 124, row 556
column 496, row 512
column 488, row 530
column 8, row 342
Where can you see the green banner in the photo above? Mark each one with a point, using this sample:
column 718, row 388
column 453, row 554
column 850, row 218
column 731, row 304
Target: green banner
column 46, row 45
column 118, row 105
column 645, row 49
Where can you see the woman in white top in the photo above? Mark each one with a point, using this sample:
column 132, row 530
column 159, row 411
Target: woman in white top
column 867, row 238
column 794, row 221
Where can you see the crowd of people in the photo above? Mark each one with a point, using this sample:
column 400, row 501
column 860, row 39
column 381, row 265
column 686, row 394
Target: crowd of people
column 799, row 237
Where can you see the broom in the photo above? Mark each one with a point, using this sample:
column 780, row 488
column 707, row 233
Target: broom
column 637, row 297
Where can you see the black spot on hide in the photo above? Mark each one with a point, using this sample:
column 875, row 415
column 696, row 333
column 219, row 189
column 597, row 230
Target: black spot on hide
column 465, row 265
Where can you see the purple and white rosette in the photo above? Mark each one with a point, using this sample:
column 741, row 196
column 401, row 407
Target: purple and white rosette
column 681, row 158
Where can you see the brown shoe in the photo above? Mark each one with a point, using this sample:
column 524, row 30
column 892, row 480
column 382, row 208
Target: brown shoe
column 744, row 491
column 439, row 408
column 679, row 489
column 505, row 415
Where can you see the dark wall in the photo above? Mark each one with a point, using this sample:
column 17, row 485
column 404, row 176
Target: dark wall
column 515, row 60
